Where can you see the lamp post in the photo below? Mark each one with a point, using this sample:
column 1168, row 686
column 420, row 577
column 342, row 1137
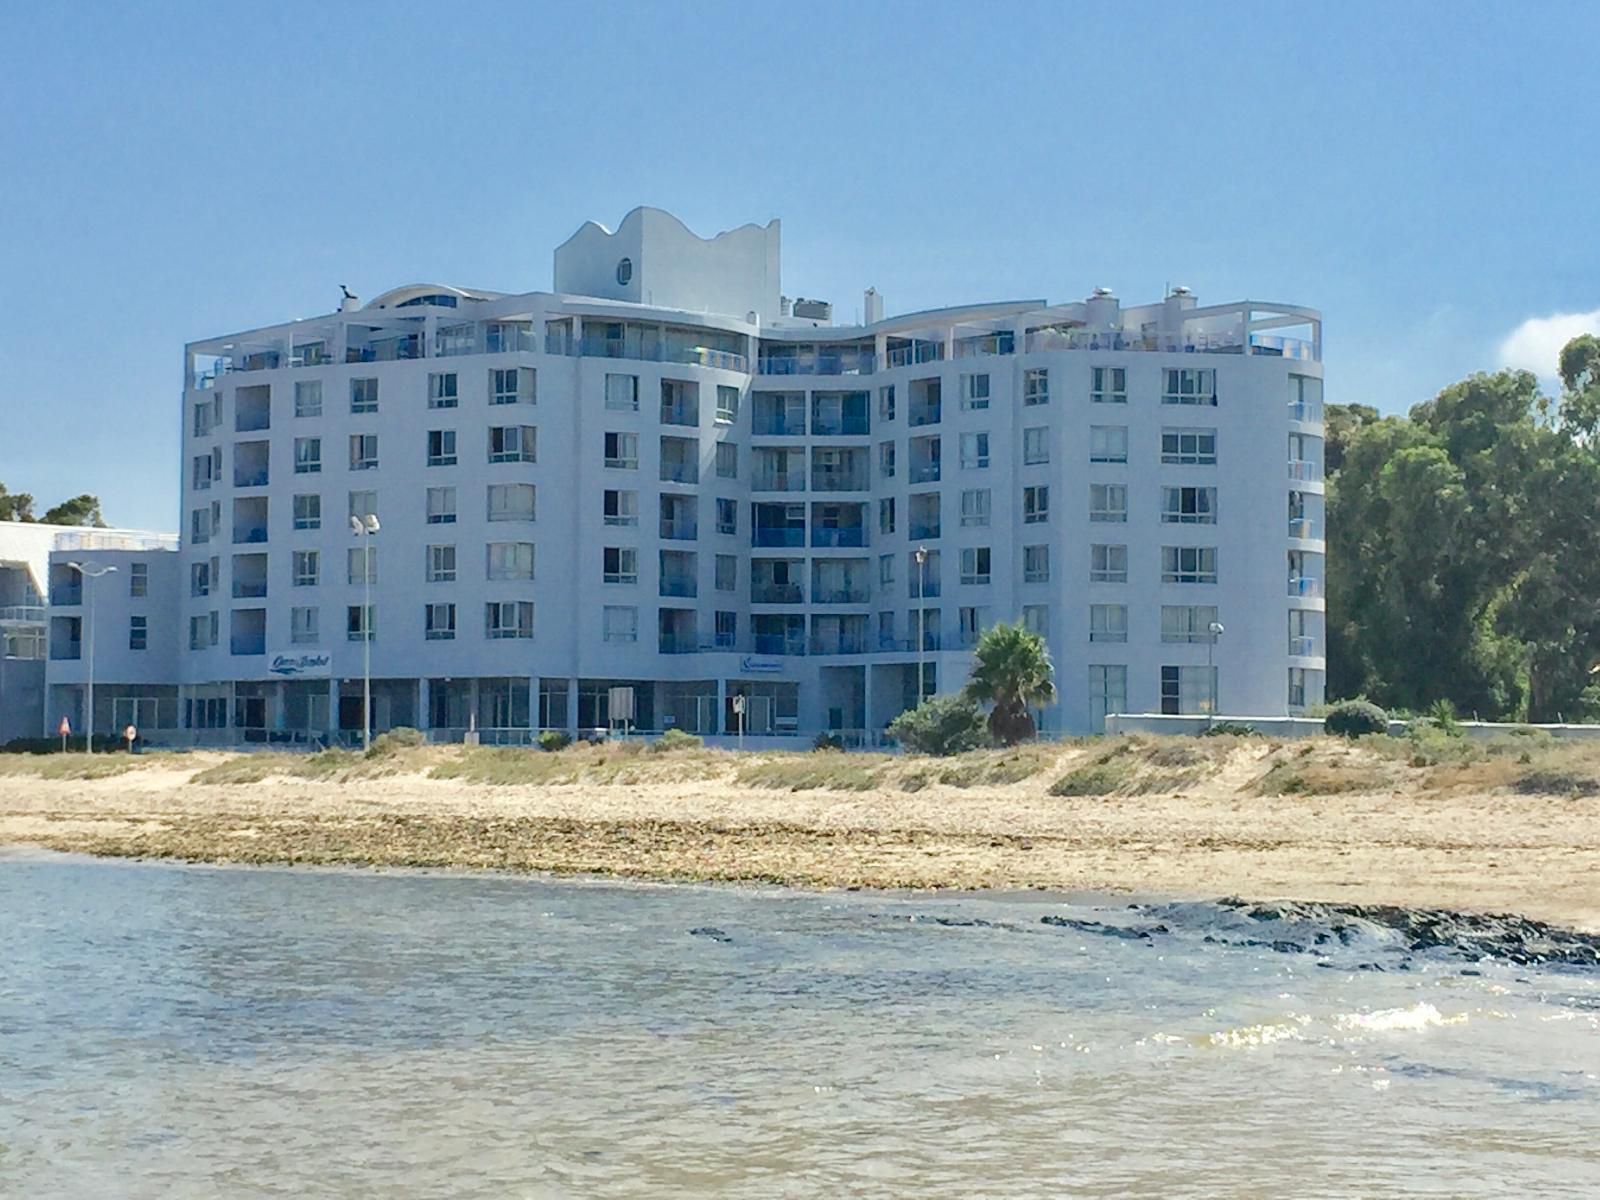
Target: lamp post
column 90, row 573
column 364, row 528
column 1215, row 630
column 921, row 555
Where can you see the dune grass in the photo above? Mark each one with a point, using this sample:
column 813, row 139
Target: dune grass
column 824, row 771
column 68, row 766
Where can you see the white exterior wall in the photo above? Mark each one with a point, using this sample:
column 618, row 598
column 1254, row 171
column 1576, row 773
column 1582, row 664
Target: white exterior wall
column 1251, row 477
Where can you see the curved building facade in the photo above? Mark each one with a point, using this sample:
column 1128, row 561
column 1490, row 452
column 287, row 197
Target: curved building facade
column 666, row 477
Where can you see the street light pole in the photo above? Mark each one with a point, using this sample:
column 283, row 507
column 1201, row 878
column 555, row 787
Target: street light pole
column 89, row 573
column 364, row 528
column 922, row 623
column 1215, row 630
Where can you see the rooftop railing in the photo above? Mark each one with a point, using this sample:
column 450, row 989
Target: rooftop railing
column 860, row 362
column 1232, row 342
column 592, row 346
column 95, row 540
column 32, row 614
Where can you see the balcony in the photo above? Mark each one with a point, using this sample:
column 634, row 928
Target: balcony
column 1304, row 470
column 925, row 472
column 777, row 423
column 1301, row 585
column 779, row 535
column 66, row 595
column 849, row 594
column 778, row 644
column 1305, row 527
column 1303, row 647
column 1309, row 411
column 679, row 585
column 923, row 414
column 680, row 643
column 1001, row 342
column 779, row 481
column 247, row 644
column 680, row 472
column 913, row 353
column 812, row 362
column 679, row 529
column 32, row 614
column 847, row 536
column 594, row 345
column 65, row 651
column 1226, row 341
column 249, row 589
column 842, row 643
column 918, row 530
column 776, row 593
column 244, row 535
column 827, row 480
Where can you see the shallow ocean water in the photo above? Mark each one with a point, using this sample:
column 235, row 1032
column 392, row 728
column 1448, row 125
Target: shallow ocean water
column 176, row 1031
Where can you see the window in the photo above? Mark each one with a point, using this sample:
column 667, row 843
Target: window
column 1108, row 693
column 1305, row 399
column 885, row 569
column 1187, row 689
column 886, row 515
column 363, row 395
column 441, row 564
column 1036, row 619
column 307, row 511
column 199, row 579
column 620, row 623
column 622, row 393
column 1108, row 502
column 138, row 633
column 971, row 620
column 726, row 573
column 197, row 633
column 1108, row 564
column 1108, row 622
column 886, row 460
column 308, row 455
column 513, row 443
column 725, row 629
column 441, row 506
column 621, row 508
column 511, row 501
column 974, row 391
column 439, row 622
column 363, row 451
column 1036, row 564
column 361, row 563
column 512, row 385
column 1108, row 443
column 442, row 390
column 508, row 619
column 1035, row 505
column 1298, row 677
column 620, row 564
column 199, row 526
column 305, row 567
column 974, row 451
column 1108, row 385
column 622, row 450
column 1036, row 446
column 1189, row 447
column 727, row 460
column 360, row 623
column 1036, row 386
column 1188, row 564
column 727, row 516
column 727, row 404
column 308, row 398
column 886, row 403
column 201, row 474
column 1190, row 385
column 1187, row 622
column 1189, row 505
column 510, row 560
column 442, row 447
column 302, row 626
column 364, row 504
column 138, row 579
column 975, row 507
column 975, row 564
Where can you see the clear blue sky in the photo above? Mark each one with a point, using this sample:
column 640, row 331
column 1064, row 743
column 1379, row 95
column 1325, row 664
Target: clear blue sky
column 1423, row 173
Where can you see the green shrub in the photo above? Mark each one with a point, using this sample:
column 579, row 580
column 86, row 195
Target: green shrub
column 812, row 772
column 827, row 741
column 941, row 725
column 1229, row 729
column 401, row 737
column 554, row 739
column 1355, row 718
column 1094, row 779
column 676, row 739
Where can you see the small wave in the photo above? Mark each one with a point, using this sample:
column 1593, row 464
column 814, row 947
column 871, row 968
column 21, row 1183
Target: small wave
column 1421, row 1015
column 1264, row 1034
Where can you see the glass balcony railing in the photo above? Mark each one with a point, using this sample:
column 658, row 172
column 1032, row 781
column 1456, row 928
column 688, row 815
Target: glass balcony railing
column 852, row 536
column 918, row 415
column 600, row 346
column 678, row 585
column 840, row 427
column 680, row 472
column 678, row 529
column 776, row 593
column 680, row 643
column 844, row 643
column 1302, row 585
column 249, row 589
column 925, row 472
column 1309, row 411
column 778, row 644
column 777, row 425
column 1303, row 647
column 923, row 529
column 1304, row 470
column 31, row 614
column 778, row 481
column 66, row 596
column 850, row 362
column 248, row 534
column 838, row 481
column 1305, row 527
column 778, row 536
column 65, row 651
column 839, row 595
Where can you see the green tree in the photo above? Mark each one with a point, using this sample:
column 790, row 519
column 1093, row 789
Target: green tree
column 15, row 506
column 80, row 510
column 940, row 725
column 1011, row 670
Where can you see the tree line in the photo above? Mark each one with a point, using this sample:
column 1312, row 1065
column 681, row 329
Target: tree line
column 80, row 510
column 1464, row 547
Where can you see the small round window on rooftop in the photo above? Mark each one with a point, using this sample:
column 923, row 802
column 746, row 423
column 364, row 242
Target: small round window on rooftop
column 625, row 271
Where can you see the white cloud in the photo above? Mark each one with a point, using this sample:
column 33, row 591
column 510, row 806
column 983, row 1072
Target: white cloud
column 1536, row 344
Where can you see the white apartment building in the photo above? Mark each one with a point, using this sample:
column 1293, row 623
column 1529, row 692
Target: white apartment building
column 664, row 475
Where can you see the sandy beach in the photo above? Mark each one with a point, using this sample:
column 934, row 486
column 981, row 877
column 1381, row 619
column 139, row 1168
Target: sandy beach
column 1203, row 818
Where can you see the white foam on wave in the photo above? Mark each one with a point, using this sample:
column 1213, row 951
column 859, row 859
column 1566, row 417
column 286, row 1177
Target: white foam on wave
column 1419, row 1016
column 1264, row 1034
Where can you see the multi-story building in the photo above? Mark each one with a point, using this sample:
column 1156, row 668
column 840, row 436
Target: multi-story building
column 664, row 475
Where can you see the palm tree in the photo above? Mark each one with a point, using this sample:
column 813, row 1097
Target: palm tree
column 1011, row 670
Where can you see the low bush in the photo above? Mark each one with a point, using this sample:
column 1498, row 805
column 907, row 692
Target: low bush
column 1355, row 718
column 941, row 726
column 1093, row 779
column 676, row 739
column 812, row 772
column 1556, row 782
column 1229, row 729
column 827, row 741
column 401, row 737
column 551, row 740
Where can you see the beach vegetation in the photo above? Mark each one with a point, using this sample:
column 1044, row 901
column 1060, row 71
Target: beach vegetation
column 813, row 772
column 941, row 726
column 1355, row 718
column 1012, row 673
column 676, row 739
column 552, row 740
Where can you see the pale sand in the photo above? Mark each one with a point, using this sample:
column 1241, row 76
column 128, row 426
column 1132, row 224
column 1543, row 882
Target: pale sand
column 1536, row 855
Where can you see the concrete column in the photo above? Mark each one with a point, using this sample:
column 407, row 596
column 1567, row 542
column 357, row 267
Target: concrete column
column 333, row 707
column 867, row 720
column 722, row 707
column 533, row 705
column 424, row 704
column 572, row 704
column 475, row 718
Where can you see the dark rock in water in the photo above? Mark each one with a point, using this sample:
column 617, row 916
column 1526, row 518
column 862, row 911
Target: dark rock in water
column 710, row 931
column 963, row 922
column 1288, row 947
column 1116, row 931
column 1466, row 935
